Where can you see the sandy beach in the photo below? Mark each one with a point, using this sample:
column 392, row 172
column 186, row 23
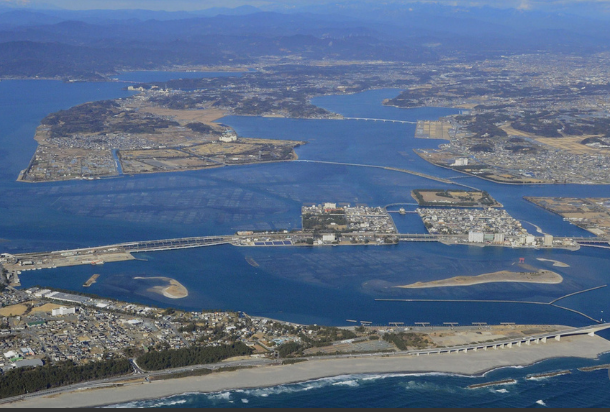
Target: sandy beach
column 473, row 363
column 542, row 276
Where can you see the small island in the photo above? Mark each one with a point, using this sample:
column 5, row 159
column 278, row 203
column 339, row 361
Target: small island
column 542, row 276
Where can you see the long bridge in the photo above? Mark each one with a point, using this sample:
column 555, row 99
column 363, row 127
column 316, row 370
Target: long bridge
column 369, row 119
column 172, row 244
column 517, row 341
column 278, row 239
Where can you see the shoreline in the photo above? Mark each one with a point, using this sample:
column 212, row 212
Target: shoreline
column 475, row 364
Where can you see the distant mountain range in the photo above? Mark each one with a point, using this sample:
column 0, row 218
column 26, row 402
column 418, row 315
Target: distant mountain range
column 95, row 43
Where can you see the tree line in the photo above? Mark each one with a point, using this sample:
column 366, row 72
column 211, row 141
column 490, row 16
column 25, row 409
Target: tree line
column 198, row 355
column 21, row 381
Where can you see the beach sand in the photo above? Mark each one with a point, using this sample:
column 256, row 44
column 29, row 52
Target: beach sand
column 556, row 263
column 473, row 363
column 541, row 276
column 173, row 290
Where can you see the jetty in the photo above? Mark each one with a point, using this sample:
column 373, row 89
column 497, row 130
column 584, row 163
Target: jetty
column 548, row 375
column 91, row 281
column 495, row 383
column 594, row 368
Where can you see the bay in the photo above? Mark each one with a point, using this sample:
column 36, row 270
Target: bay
column 305, row 285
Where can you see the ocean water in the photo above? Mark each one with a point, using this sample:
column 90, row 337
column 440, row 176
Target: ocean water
column 305, row 285
column 579, row 389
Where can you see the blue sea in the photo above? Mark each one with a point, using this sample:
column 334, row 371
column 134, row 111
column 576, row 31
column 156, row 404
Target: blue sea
column 304, row 285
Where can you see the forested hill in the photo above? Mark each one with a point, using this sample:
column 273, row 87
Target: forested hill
column 94, row 44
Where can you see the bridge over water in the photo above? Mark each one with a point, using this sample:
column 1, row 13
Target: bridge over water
column 369, row 119
column 173, row 244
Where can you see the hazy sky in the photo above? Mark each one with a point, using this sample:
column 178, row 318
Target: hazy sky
column 204, row 4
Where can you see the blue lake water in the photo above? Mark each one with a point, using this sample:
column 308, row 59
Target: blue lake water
column 305, row 285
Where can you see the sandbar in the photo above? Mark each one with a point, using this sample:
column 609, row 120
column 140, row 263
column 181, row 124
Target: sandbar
column 173, row 290
column 542, row 276
column 556, row 263
column 473, row 363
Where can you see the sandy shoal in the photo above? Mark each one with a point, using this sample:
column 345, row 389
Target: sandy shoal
column 504, row 276
column 556, row 263
column 174, row 290
column 473, row 363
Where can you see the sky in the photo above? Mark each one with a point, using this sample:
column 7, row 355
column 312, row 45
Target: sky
column 190, row 5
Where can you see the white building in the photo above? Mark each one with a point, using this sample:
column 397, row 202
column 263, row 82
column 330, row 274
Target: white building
column 462, row 161
column 530, row 240
column 329, row 238
column 42, row 293
column 499, row 238
column 476, row 237
column 228, row 138
column 63, row 311
column 548, row 240
column 330, row 205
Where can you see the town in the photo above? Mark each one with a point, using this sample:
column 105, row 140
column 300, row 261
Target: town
column 485, row 226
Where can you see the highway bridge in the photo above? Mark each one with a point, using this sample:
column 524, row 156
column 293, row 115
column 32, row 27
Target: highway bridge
column 516, row 342
column 172, row 244
column 418, row 237
column 368, row 119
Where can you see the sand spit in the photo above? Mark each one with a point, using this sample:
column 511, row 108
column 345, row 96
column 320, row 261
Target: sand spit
column 173, row 290
column 473, row 363
column 542, row 276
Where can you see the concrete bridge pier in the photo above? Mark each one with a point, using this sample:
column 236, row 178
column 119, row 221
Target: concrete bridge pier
column 528, row 342
column 519, row 344
column 543, row 340
column 558, row 338
column 537, row 341
column 510, row 345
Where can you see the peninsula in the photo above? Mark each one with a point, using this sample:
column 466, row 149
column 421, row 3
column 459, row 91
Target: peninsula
column 132, row 136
